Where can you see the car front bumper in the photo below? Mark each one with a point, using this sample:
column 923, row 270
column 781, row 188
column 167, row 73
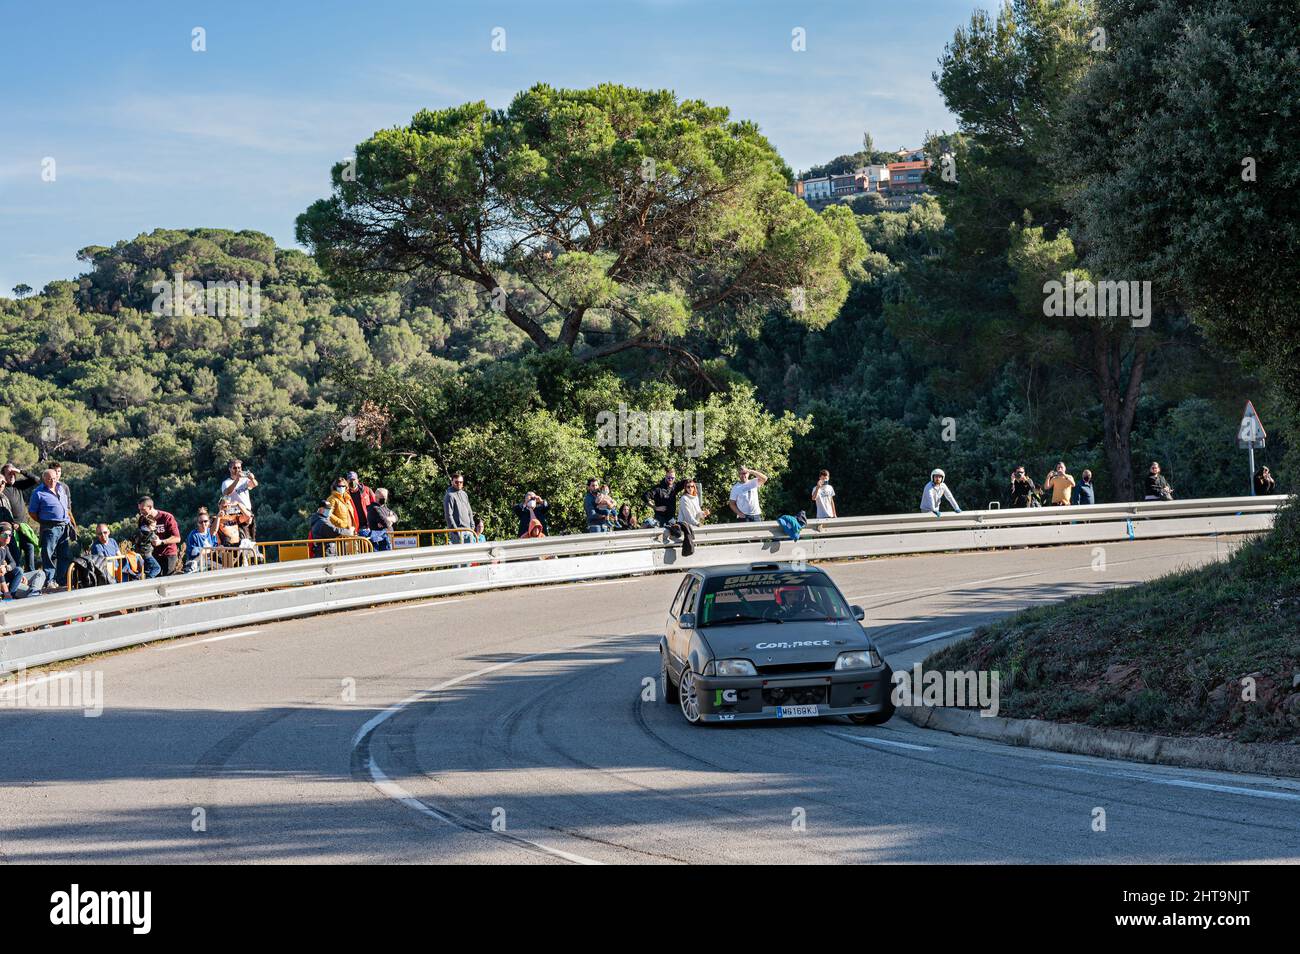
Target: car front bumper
column 834, row 693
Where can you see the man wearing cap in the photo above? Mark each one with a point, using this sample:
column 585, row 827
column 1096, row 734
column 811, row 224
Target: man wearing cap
column 934, row 493
column 14, row 583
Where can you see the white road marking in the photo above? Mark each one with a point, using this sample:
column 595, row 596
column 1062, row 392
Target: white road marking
column 1185, row 783
column 393, row 790
column 934, row 636
column 875, row 741
column 432, row 604
column 210, row 639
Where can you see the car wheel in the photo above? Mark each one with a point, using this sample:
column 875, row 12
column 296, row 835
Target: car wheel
column 875, row 718
column 667, row 690
column 687, row 697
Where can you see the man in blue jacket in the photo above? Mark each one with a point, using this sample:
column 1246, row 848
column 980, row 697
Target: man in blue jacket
column 46, row 507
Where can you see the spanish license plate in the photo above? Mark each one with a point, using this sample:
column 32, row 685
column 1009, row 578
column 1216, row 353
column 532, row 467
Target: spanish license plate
column 796, row 712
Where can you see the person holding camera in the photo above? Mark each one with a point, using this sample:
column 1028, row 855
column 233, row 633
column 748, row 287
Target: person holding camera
column 1060, row 484
column 1023, row 489
column 237, row 487
column 533, row 510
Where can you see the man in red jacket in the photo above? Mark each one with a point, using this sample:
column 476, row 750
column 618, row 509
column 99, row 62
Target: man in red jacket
column 362, row 497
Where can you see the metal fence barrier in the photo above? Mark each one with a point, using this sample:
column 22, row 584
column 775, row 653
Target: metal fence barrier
column 67, row 625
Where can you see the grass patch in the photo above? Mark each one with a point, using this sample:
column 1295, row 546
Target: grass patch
column 1212, row 652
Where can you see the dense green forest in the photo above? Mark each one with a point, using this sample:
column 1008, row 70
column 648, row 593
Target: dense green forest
column 632, row 249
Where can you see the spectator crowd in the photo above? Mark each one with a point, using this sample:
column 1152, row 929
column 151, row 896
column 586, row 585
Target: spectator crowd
column 38, row 525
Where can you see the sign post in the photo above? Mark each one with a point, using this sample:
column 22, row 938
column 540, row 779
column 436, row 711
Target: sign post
column 1251, row 435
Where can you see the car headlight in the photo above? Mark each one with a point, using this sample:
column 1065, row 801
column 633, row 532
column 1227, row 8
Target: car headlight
column 858, row 659
column 734, row 667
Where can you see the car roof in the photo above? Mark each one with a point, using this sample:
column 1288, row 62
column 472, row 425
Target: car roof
column 732, row 569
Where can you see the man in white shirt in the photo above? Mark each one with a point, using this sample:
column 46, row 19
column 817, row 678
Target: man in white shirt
column 823, row 495
column 237, row 487
column 935, row 492
column 744, row 495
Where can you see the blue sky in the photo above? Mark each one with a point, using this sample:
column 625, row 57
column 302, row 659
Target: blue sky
column 147, row 133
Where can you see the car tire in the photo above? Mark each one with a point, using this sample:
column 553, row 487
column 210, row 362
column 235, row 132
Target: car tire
column 667, row 689
column 875, row 718
column 688, row 699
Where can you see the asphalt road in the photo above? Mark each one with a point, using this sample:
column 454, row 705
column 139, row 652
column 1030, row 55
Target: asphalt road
column 510, row 727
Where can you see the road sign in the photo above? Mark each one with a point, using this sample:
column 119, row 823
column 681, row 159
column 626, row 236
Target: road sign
column 1250, row 433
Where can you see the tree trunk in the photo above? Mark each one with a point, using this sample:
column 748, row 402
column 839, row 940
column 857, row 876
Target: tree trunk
column 1119, row 394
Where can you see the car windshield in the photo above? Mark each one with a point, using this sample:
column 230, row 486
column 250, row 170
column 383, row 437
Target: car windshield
column 771, row 597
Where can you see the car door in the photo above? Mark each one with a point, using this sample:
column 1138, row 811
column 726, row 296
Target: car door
column 679, row 639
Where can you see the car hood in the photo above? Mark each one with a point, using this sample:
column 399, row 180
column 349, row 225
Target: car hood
column 768, row 644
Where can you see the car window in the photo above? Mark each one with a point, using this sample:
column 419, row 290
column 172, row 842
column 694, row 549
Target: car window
column 675, row 607
column 688, row 601
column 789, row 597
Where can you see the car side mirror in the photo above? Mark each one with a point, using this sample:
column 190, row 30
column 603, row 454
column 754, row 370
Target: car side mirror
column 858, row 613
column 686, row 621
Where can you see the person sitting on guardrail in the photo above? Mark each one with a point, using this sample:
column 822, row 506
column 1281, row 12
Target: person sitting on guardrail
column 533, row 510
column 15, row 584
column 105, row 546
column 743, row 500
column 1157, row 488
column 323, row 527
column 690, row 509
column 343, row 514
column 381, row 521
column 1061, row 485
column 626, row 519
column 197, row 540
column 935, row 492
column 1264, row 482
column 1083, row 492
column 662, row 498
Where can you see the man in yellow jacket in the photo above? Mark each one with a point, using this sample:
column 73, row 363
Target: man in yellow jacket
column 1060, row 484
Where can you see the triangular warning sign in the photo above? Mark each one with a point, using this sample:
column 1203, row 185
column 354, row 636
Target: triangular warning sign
column 1250, row 433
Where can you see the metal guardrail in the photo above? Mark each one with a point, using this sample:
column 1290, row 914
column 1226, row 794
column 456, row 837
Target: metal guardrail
column 37, row 631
